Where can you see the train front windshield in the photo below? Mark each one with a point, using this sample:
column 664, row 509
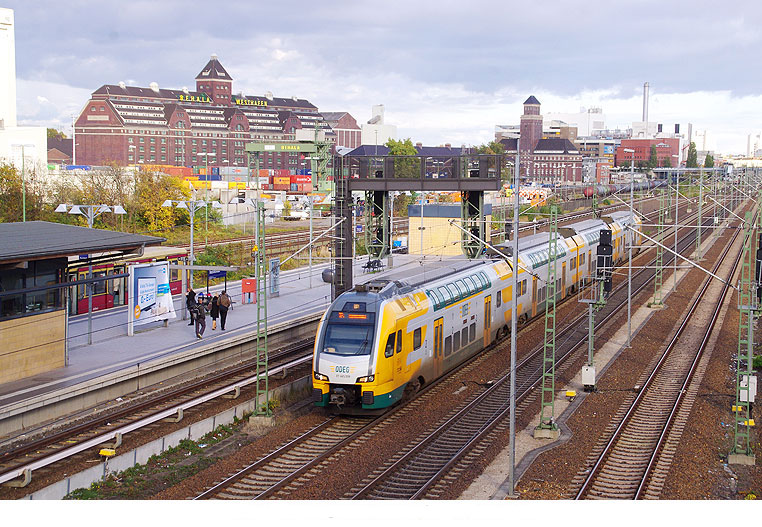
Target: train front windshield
column 346, row 339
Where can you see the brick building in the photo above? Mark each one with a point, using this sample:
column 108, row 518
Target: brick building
column 133, row 125
column 348, row 133
column 545, row 160
column 665, row 148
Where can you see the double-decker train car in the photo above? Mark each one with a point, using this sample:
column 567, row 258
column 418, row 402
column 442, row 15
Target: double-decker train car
column 388, row 337
column 110, row 293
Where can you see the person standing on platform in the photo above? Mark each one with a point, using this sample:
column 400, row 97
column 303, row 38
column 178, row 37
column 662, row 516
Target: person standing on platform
column 224, row 305
column 190, row 302
column 202, row 309
column 214, row 311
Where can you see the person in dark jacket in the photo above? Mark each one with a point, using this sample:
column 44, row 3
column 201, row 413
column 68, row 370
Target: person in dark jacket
column 224, row 304
column 214, row 311
column 202, row 309
column 190, row 301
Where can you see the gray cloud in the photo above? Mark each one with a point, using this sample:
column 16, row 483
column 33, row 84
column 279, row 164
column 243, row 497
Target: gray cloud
column 349, row 55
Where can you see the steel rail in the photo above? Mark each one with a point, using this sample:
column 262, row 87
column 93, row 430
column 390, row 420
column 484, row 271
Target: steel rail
column 131, row 427
column 635, row 404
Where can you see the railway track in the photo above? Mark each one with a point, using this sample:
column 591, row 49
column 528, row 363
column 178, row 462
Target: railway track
column 621, row 468
column 410, row 475
column 425, row 471
column 90, row 433
column 77, row 441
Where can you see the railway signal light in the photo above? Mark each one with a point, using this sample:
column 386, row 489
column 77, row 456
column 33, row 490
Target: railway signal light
column 604, row 255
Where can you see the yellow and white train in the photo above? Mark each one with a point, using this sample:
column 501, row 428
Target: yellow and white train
column 394, row 334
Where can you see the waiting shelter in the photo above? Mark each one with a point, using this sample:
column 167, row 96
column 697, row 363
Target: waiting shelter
column 33, row 262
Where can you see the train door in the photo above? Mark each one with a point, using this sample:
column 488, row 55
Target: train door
column 563, row 279
column 438, row 350
column 487, row 319
column 534, row 296
column 589, row 276
column 398, row 359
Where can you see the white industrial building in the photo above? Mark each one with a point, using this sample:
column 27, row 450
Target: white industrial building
column 587, row 120
column 19, row 145
column 375, row 131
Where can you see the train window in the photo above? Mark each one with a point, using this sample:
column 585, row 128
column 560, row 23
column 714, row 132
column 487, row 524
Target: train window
column 439, row 298
column 573, row 262
column 445, row 293
column 453, row 292
column 582, row 259
column 499, row 300
column 475, row 285
column 448, row 345
column 485, row 279
column 471, row 332
column 462, row 288
column 399, row 341
column 456, row 341
column 464, row 336
column 389, row 349
column 523, row 288
column 99, row 287
column 345, row 339
column 417, row 339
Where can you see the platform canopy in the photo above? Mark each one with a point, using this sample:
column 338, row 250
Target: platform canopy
column 40, row 240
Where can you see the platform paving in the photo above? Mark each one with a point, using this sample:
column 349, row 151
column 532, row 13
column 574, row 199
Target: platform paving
column 301, row 294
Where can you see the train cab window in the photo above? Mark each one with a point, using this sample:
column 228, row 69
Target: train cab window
column 389, row 349
column 417, row 339
column 464, row 336
column 499, row 299
column 346, row 339
column 399, row 341
column 471, row 332
column 456, row 341
column 448, row 346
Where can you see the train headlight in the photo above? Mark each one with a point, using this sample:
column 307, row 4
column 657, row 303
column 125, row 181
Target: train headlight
column 320, row 376
column 369, row 378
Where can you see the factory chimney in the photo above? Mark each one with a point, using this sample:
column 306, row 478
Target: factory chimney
column 645, row 103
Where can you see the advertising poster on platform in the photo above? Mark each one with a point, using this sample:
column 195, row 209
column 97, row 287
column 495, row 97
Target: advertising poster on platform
column 150, row 299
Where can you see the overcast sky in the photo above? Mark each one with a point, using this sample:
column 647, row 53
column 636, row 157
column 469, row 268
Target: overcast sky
column 446, row 71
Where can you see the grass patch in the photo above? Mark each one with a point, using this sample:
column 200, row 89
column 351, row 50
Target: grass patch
column 160, row 471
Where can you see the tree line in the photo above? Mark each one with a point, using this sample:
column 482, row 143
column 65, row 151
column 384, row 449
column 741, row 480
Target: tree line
column 140, row 192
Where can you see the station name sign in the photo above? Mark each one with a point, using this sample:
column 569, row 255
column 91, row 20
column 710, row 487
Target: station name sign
column 194, row 98
column 249, row 102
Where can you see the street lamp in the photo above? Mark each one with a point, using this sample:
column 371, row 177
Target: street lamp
column 206, row 194
column 23, row 180
column 192, row 206
column 90, row 212
column 629, row 252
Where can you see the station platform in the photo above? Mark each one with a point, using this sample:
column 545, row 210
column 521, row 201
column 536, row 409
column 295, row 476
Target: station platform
column 301, row 294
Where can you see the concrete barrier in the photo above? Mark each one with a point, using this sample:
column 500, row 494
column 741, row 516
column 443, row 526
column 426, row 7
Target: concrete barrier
column 142, row 453
column 46, row 408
